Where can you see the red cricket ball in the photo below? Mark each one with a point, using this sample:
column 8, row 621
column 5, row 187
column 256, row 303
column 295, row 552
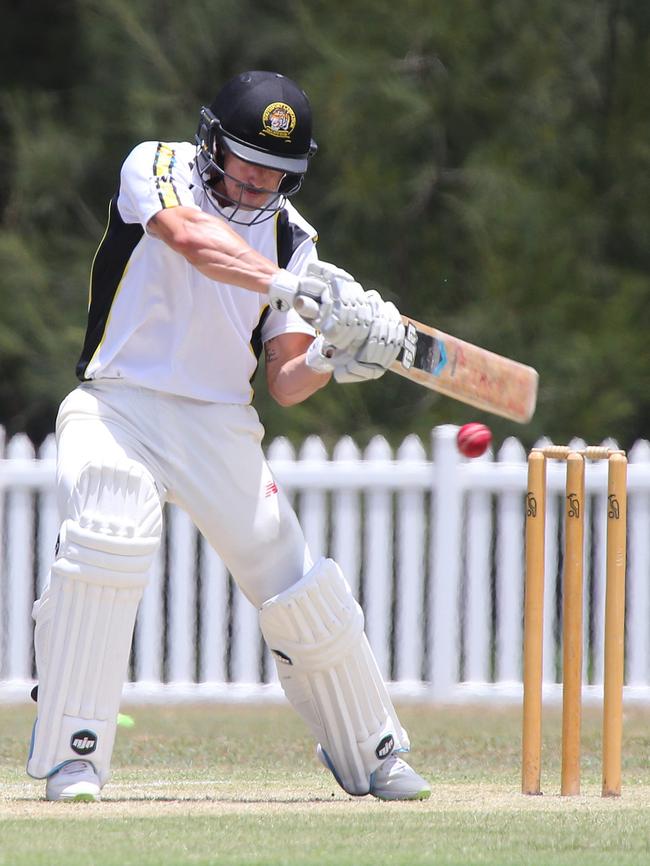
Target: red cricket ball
column 473, row 439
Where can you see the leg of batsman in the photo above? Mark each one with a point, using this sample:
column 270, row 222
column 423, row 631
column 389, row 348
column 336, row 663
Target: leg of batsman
column 315, row 630
column 84, row 624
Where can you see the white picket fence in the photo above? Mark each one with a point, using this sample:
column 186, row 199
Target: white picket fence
column 431, row 543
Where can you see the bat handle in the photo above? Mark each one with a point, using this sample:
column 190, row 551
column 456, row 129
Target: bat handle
column 306, row 307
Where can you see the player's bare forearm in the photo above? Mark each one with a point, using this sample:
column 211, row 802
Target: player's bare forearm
column 289, row 379
column 213, row 247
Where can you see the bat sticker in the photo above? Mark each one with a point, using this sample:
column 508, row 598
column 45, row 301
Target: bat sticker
column 410, row 346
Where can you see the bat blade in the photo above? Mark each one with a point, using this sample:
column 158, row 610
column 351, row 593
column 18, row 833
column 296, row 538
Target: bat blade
column 467, row 373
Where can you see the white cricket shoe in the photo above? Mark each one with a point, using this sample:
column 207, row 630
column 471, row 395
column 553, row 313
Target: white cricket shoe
column 75, row 782
column 392, row 780
column 395, row 780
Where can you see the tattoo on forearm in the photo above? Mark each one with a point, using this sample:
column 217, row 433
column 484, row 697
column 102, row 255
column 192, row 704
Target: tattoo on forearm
column 270, row 352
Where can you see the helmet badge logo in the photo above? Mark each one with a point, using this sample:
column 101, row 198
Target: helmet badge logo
column 278, row 120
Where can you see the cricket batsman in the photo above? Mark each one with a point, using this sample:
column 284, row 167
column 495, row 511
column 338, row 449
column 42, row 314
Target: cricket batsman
column 204, row 263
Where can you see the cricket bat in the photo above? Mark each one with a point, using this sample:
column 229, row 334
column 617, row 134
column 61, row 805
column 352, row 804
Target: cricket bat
column 467, row 373
column 457, row 369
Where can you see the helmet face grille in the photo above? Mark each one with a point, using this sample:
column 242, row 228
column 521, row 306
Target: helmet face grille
column 211, row 143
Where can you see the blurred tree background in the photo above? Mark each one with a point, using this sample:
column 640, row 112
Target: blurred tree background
column 485, row 165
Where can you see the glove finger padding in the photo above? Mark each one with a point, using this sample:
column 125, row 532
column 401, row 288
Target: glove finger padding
column 347, row 326
column 328, row 272
column 353, row 371
column 375, row 301
column 378, row 352
column 345, row 317
column 385, row 339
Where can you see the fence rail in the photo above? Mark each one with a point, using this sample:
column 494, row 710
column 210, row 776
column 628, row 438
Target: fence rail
column 431, row 543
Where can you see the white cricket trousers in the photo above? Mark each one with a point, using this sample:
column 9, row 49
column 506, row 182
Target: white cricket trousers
column 204, row 457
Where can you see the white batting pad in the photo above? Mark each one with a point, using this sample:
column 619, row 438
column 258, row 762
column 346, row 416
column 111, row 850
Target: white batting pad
column 85, row 617
column 315, row 630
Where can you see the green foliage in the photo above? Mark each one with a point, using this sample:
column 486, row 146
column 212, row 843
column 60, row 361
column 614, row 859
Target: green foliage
column 486, row 166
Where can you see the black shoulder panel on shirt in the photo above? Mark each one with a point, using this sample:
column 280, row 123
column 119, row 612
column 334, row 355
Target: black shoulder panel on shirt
column 289, row 237
column 107, row 271
column 256, row 339
column 256, row 336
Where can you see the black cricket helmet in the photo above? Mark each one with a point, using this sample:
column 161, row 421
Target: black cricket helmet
column 263, row 118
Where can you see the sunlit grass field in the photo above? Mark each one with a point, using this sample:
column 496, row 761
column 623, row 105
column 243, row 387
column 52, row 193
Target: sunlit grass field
column 219, row 784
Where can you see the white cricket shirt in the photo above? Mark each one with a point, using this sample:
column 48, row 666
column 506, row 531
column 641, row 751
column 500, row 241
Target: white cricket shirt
column 156, row 321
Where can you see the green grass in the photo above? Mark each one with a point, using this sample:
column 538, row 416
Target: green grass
column 240, row 785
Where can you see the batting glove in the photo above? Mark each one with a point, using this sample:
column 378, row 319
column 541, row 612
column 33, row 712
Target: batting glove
column 373, row 357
